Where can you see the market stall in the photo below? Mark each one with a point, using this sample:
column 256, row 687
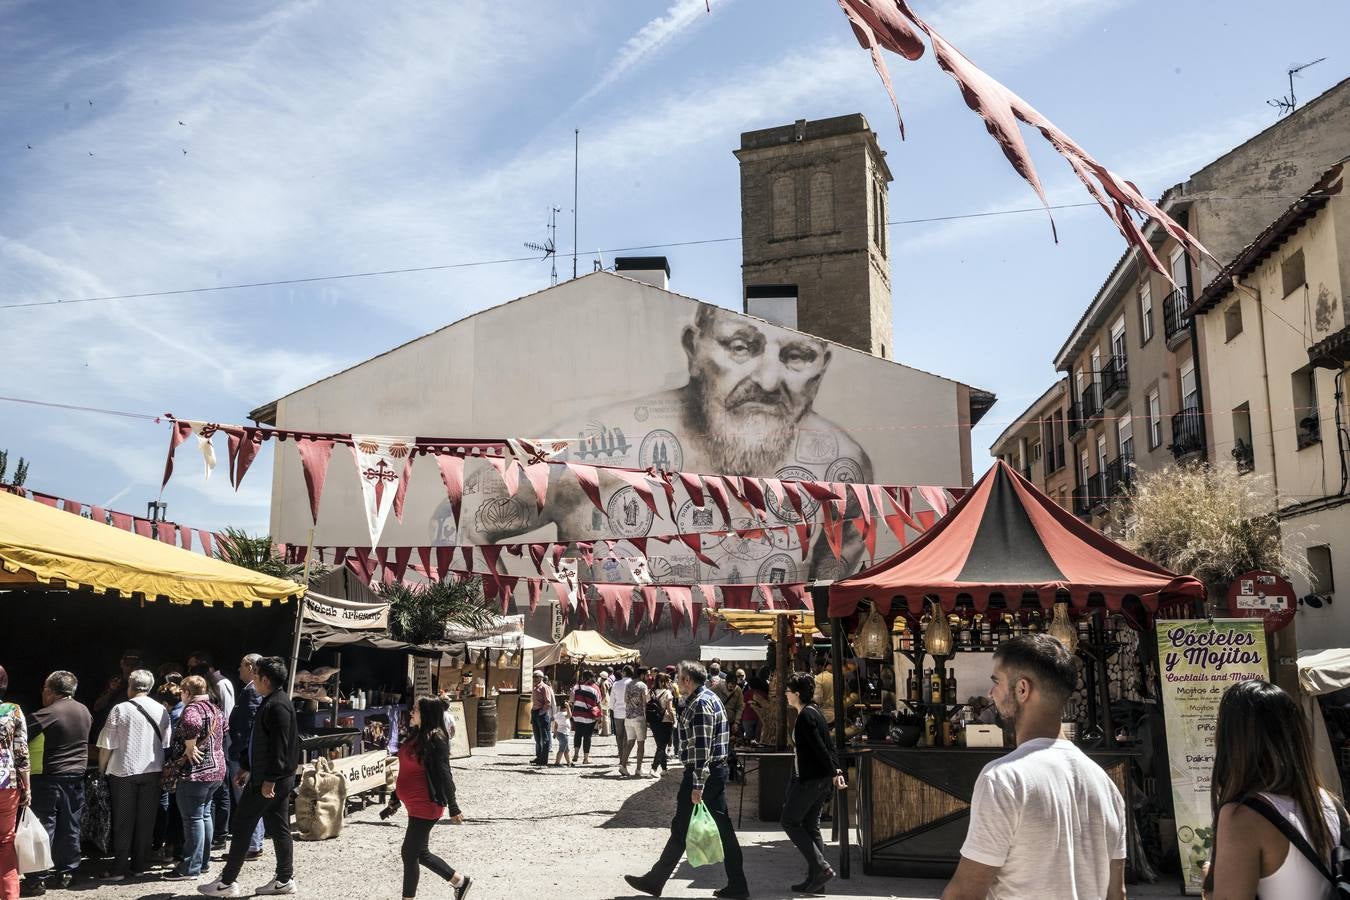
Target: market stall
column 1004, row 561
column 490, row 669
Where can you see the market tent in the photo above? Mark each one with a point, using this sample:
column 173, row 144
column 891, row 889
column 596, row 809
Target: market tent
column 1322, row 672
column 41, row 546
column 592, row 646
column 1005, row 537
column 737, row 648
column 751, row 621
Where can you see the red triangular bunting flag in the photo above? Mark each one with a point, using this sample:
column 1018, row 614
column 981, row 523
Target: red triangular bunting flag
column 72, row 506
column 452, row 475
column 143, row 527
column 936, row 497
column 708, row 594
column 721, row 496
column 123, row 521
column 508, row 586
column 203, row 538
column 98, row 514
column 537, row 552
column 424, row 554
column 820, row 491
column 589, row 479
column 509, row 471
column 926, row 518
column 560, row 591
column 185, row 537
column 537, row 475
column 168, row 534
column 491, row 553
column 754, row 495
column 178, row 432
column 794, row 498
column 693, row 486
column 249, row 444
column 401, row 495
column 401, row 557
column 638, row 482
column 586, row 550
column 803, row 538
column 794, row 596
column 315, row 454
column 534, row 585
column 738, row 596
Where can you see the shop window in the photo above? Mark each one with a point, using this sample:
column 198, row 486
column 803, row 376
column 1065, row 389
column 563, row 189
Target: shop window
column 1306, row 425
column 1292, row 272
column 1319, row 567
column 1232, row 319
column 1243, row 452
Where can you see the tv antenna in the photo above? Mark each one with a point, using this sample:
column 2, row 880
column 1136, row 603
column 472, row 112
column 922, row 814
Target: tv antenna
column 550, row 247
column 1286, row 105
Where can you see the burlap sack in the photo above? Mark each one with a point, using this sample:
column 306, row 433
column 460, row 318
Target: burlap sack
column 320, row 802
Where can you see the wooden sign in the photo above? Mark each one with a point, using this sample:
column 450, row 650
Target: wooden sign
column 365, row 772
column 421, row 679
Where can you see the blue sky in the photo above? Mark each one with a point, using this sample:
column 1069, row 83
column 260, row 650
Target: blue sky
column 336, row 137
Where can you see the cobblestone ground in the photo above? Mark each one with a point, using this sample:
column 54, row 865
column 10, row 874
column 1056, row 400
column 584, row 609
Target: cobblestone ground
column 544, row 834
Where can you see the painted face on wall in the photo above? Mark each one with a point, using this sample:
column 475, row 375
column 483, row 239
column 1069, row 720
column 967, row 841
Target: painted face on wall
column 751, row 385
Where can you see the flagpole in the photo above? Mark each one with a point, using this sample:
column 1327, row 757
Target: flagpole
column 300, row 617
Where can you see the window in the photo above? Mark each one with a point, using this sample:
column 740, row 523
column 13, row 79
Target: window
column 1306, row 424
column 1321, row 578
column 1232, row 319
column 1154, row 419
column 1079, row 384
column 1036, row 451
column 1145, row 314
column 1118, row 336
column 822, row 203
column 1097, row 372
column 1243, row 453
column 1125, row 436
column 1084, row 468
column 1178, row 268
column 784, row 207
column 1292, row 272
column 1190, row 393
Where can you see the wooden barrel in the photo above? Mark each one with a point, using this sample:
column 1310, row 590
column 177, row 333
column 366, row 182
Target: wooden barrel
column 487, row 722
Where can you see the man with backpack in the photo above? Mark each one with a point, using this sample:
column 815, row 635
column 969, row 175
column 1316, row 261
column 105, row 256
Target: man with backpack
column 636, row 715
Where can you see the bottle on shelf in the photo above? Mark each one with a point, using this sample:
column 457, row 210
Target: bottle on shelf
column 912, row 686
column 1034, row 622
column 1085, row 630
column 950, row 688
column 986, row 632
column 966, row 640
column 947, row 733
column 934, row 686
column 929, row 729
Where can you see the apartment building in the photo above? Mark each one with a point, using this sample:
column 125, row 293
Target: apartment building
column 1274, row 328
column 1036, row 444
column 1134, row 361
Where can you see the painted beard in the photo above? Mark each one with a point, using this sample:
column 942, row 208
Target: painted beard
column 741, row 440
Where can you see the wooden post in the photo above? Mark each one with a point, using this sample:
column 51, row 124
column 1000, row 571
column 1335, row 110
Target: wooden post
column 782, row 631
column 300, row 618
column 821, row 595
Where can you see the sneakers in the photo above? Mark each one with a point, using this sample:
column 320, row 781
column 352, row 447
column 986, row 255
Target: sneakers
column 253, row 854
column 218, row 889
column 179, row 875
column 644, row 884
column 462, row 888
column 730, row 893
column 278, row 887
column 816, row 883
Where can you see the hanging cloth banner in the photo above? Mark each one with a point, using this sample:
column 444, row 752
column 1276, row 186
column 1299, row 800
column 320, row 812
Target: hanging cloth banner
column 315, row 455
column 637, row 566
column 381, row 465
column 936, row 497
column 345, row 614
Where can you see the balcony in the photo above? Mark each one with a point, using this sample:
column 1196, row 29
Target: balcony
column 1092, row 400
column 1188, row 433
column 1082, row 502
column 1120, row 475
column 1175, row 320
column 1056, row 462
column 1077, row 421
column 1098, row 485
column 1115, row 381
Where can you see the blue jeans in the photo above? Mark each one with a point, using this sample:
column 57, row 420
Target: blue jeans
column 58, row 802
column 543, row 740
column 256, row 841
column 194, row 803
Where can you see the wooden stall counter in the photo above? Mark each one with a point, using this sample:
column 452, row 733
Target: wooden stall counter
column 917, row 803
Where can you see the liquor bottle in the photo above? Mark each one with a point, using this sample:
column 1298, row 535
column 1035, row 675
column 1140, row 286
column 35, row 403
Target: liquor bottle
column 912, row 686
column 1017, row 625
column 935, row 686
column 947, row 733
column 1085, row 630
column 951, row 688
column 986, row 633
column 966, row 642
column 1033, row 622
column 929, row 730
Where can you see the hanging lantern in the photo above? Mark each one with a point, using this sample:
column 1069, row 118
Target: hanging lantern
column 874, row 637
column 1062, row 628
column 937, row 637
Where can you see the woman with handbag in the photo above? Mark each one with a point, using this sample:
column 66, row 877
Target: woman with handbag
column 426, row 788
column 1275, row 823
column 197, row 765
column 14, row 788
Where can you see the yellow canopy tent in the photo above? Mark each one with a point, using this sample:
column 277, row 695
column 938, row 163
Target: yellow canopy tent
column 750, row 621
column 41, row 547
column 591, row 646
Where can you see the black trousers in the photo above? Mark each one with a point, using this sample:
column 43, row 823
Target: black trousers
column 585, row 731
column 801, row 819
column 715, row 798
column 58, row 802
column 416, row 853
column 660, row 758
column 275, row 815
column 134, row 800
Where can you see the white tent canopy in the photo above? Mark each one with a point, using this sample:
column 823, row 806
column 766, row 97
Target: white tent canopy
column 737, row 648
column 1322, row 672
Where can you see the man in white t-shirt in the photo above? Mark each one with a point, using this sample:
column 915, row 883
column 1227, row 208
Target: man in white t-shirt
column 619, row 714
column 1045, row 820
column 131, row 753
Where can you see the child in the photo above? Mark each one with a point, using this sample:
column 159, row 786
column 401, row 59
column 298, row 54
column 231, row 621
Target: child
column 562, row 730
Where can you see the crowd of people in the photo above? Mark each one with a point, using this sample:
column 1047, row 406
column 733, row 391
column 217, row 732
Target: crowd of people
column 1045, row 820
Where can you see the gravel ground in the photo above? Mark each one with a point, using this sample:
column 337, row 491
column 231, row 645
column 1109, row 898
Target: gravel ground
column 528, row 833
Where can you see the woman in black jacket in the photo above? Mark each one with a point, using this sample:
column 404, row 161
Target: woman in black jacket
column 815, row 769
column 426, row 789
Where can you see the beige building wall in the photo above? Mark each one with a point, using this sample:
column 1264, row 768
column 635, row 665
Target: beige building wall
column 1035, row 444
column 1257, row 338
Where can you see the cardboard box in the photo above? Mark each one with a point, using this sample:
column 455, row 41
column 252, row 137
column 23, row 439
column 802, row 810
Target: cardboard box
column 984, row 736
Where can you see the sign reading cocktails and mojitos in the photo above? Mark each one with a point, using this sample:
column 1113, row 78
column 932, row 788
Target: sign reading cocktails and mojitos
column 1197, row 661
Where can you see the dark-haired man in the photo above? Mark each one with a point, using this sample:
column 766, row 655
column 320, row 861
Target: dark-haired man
column 268, row 774
column 1045, row 820
column 704, row 746
column 63, row 723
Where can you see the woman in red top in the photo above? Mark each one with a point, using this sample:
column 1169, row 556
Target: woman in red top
column 426, row 788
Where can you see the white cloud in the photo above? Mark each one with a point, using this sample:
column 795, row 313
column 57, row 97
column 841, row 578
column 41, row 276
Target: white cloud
column 681, row 16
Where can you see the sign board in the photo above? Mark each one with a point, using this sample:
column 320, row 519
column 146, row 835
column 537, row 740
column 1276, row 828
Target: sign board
column 1262, row 595
column 559, row 624
column 421, row 678
column 346, row 614
column 365, row 772
column 459, row 739
column 1197, row 660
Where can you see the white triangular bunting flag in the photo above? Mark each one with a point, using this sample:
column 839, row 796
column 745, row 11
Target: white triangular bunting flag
column 380, row 464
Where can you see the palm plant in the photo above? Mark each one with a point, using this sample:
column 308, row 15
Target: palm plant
column 258, row 553
column 418, row 614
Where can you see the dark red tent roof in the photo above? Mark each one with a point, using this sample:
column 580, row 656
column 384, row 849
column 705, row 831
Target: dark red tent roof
column 1005, row 537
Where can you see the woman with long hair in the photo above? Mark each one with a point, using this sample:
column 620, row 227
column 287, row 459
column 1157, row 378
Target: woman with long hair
column 665, row 699
column 815, row 771
column 15, row 792
column 587, row 712
column 425, row 787
column 1263, row 767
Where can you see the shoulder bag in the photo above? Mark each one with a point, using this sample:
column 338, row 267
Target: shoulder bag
column 1338, row 873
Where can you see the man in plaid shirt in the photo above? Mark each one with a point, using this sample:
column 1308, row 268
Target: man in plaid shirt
column 705, row 742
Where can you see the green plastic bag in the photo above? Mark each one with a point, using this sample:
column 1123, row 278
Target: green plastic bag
column 703, row 842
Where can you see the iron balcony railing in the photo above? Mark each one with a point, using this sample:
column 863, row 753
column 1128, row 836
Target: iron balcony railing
column 1119, row 475
column 1175, row 319
column 1092, row 401
column 1097, row 484
column 1077, row 421
column 1082, row 501
column 1188, row 432
column 1115, row 379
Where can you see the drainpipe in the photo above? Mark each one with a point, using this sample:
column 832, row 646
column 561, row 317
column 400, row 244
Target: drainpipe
column 1265, row 380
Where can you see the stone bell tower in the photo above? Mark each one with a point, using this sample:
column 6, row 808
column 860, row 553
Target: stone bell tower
column 813, row 230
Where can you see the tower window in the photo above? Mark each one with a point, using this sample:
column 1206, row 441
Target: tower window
column 784, row 207
column 822, row 202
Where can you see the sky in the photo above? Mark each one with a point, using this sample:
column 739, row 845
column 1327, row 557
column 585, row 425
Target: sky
column 157, row 146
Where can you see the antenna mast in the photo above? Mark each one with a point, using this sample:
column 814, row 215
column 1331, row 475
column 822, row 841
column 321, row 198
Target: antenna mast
column 1288, row 104
column 550, row 247
column 576, row 169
